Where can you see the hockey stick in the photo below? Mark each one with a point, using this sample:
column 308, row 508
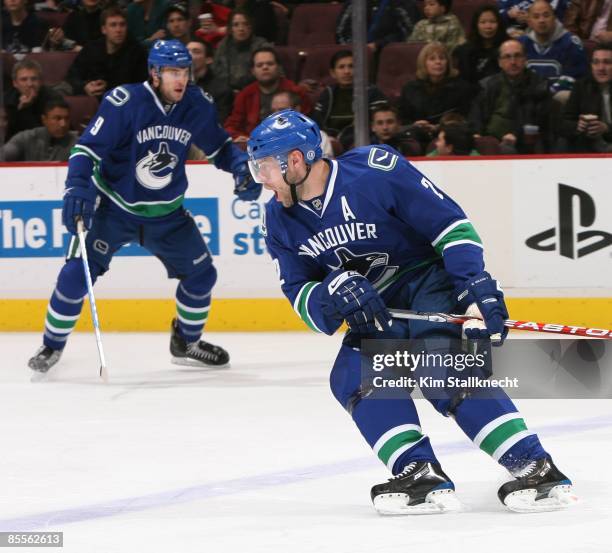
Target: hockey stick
column 517, row 325
column 92, row 299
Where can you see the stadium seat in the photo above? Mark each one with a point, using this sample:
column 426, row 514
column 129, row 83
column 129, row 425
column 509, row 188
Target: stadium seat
column 51, row 18
column 487, row 145
column 82, row 109
column 282, row 23
column 397, row 66
column 313, row 24
column 54, row 65
column 464, row 10
column 291, row 59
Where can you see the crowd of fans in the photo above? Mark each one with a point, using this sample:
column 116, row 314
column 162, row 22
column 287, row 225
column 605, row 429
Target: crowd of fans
column 524, row 76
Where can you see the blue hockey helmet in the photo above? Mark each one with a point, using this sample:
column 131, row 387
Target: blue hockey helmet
column 281, row 133
column 168, row 53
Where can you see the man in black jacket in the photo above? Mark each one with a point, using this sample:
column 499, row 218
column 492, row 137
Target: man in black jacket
column 587, row 121
column 513, row 106
column 22, row 31
column 109, row 61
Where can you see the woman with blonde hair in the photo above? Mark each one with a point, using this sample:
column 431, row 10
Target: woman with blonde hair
column 436, row 91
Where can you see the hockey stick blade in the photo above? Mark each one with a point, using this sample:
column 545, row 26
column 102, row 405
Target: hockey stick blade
column 516, row 325
column 92, row 300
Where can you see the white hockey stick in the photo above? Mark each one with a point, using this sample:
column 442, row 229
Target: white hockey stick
column 517, row 325
column 92, row 299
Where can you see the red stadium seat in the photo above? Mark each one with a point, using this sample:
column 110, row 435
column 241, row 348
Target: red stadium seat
column 291, row 59
column 313, row 24
column 282, row 23
column 54, row 65
column 82, row 109
column 53, row 19
column 464, row 10
column 397, row 66
column 487, row 145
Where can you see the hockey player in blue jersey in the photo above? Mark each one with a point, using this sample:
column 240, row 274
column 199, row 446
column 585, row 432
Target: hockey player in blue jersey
column 355, row 236
column 132, row 158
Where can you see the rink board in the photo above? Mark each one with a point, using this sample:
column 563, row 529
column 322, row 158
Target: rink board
column 546, row 225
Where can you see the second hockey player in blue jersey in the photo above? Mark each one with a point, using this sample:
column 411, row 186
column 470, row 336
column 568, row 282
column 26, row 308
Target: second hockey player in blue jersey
column 355, row 236
column 132, row 157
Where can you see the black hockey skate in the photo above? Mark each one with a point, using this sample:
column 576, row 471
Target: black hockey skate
column 195, row 354
column 540, row 486
column 421, row 488
column 44, row 359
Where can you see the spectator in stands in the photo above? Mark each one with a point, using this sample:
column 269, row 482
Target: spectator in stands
column 22, row 31
column 386, row 129
column 253, row 104
column 454, row 139
column 83, row 24
column 333, row 110
column 587, row 121
column 178, row 23
column 511, row 100
column 262, row 15
column 145, row 19
column 514, row 13
column 387, row 21
column 110, row 61
column 290, row 100
column 204, row 77
column 439, row 25
column 437, row 90
column 552, row 51
column 3, row 126
column 590, row 19
column 26, row 99
column 51, row 142
column 477, row 58
column 213, row 22
column 234, row 54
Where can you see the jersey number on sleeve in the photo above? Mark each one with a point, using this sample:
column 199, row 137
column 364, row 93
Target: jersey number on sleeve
column 428, row 184
column 96, row 127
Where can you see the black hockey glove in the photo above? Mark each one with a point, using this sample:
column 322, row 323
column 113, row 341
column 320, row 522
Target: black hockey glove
column 483, row 296
column 348, row 295
column 244, row 186
column 79, row 201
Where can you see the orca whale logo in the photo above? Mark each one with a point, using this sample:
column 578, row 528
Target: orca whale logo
column 154, row 171
column 363, row 264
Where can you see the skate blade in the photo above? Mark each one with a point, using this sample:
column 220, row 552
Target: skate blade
column 436, row 502
column 186, row 362
column 559, row 498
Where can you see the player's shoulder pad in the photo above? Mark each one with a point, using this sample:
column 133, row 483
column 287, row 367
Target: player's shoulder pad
column 123, row 94
column 273, row 211
column 198, row 96
column 380, row 156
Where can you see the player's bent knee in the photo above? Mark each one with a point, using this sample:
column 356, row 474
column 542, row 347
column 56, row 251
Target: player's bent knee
column 71, row 281
column 201, row 282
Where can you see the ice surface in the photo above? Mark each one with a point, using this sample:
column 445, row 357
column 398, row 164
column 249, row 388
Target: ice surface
column 256, row 458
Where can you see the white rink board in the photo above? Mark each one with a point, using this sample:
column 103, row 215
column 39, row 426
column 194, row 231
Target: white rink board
column 508, row 201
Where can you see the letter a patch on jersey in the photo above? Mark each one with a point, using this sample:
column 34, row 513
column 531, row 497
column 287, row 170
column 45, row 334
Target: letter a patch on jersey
column 382, row 159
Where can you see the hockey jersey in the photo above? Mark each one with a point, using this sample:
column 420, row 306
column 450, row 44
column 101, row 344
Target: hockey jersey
column 379, row 216
column 134, row 151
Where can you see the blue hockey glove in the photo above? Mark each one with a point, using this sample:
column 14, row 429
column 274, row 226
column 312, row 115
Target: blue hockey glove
column 483, row 296
column 348, row 295
column 244, row 186
column 79, row 201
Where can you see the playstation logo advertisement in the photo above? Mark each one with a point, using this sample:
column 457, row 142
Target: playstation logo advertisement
column 566, row 239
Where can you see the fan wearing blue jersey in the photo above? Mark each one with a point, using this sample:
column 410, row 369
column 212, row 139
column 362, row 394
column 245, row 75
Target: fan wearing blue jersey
column 131, row 159
column 355, row 236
